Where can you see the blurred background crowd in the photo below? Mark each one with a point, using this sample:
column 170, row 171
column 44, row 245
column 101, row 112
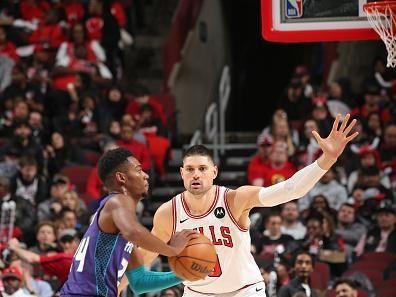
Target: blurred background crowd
column 64, row 101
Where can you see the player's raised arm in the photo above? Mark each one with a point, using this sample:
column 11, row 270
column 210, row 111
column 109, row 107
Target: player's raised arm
column 301, row 182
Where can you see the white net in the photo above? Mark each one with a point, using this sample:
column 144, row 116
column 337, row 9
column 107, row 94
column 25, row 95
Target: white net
column 383, row 21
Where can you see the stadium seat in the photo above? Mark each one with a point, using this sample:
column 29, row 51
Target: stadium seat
column 78, row 175
column 392, row 275
column 91, row 157
column 387, row 292
column 378, row 257
column 316, row 281
column 369, row 265
column 322, row 269
column 389, row 283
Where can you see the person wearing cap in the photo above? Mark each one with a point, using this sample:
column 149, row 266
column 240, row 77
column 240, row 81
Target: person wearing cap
column 259, row 162
column 48, row 209
column 381, row 238
column 68, row 240
column 279, row 167
column 12, row 281
column 31, row 285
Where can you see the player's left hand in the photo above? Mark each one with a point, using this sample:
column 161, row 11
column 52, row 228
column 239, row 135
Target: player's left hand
column 335, row 143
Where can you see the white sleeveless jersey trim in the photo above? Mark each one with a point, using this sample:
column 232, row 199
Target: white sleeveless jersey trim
column 187, row 211
column 231, row 216
column 174, row 215
column 236, row 268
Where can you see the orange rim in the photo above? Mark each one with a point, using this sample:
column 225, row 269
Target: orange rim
column 380, row 6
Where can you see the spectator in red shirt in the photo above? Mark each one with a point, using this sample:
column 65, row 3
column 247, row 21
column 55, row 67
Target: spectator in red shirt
column 278, row 168
column 139, row 150
column 49, row 34
column 259, row 162
column 118, row 12
column 79, row 49
column 74, row 11
column 103, row 27
column 53, row 263
column 33, row 10
column 7, row 48
column 133, row 108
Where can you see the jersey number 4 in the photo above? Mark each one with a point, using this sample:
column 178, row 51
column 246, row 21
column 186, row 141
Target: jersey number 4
column 80, row 253
column 217, row 269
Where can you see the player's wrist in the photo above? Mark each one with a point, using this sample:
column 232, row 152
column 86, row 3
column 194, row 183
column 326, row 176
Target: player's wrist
column 172, row 251
column 326, row 161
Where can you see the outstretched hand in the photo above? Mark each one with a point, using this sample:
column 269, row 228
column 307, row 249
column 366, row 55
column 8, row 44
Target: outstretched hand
column 335, row 143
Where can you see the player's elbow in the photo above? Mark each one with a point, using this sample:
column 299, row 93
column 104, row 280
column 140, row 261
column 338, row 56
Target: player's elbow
column 134, row 234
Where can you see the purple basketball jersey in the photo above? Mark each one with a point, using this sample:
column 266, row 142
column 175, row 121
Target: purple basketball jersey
column 99, row 262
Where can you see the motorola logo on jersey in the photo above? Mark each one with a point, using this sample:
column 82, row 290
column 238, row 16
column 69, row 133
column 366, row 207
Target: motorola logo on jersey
column 219, row 212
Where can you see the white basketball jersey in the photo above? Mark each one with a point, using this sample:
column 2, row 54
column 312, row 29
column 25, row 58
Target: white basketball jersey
column 236, row 267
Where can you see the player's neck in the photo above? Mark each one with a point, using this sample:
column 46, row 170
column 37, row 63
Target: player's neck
column 200, row 203
column 123, row 192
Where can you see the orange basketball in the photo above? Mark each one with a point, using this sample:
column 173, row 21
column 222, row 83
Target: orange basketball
column 196, row 261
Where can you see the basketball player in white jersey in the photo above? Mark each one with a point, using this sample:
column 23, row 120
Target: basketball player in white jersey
column 223, row 214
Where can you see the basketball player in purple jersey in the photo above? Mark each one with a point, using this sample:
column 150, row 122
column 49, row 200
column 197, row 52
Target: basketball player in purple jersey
column 223, row 214
column 107, row 249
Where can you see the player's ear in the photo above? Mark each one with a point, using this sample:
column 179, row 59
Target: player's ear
column 215, row 171
column 120, row 177
column 181, row 171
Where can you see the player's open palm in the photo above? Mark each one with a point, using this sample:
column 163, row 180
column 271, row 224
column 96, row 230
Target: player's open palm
column 180, row 239
column 338, row 138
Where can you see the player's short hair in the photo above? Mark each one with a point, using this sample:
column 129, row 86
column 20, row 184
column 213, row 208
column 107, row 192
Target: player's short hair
column 198, row 150
column 111, row 161
column 349, row 282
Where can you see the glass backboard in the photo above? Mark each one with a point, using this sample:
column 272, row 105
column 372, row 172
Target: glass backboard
column 315, row 20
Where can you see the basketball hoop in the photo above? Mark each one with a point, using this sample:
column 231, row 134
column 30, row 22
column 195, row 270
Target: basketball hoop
column 382, row 17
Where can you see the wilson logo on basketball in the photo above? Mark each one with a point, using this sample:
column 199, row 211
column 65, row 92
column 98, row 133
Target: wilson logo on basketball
column 199, row 268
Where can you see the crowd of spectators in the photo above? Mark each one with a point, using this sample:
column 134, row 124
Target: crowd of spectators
column 62, row 104
column 351, row 211
column 61, row 107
